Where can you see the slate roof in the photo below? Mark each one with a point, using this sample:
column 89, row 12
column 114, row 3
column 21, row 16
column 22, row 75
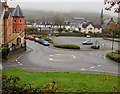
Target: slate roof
column 17, row 12
column 94, row 25
column 106, row 22
column 10, row 10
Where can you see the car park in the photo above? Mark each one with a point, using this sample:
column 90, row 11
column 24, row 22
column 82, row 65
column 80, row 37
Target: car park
column 88, row 42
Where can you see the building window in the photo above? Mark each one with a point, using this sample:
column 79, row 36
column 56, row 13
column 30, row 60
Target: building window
column 14, row 20
column 20, row 21
column 90, row 28
column 15, row 30
column 20, row 30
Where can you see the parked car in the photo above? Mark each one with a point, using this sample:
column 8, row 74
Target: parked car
column 31, row 38
column 88, row 36
column 26, row 37
column 88, row 42
column 40, row 41
column 37, row 40
column 45, row 43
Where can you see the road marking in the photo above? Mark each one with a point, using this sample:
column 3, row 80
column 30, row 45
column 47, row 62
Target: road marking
column 20, row 63
column 92, row 67
column 99, row 65
column 82, row 69
column 73, row 56
column 51, row 59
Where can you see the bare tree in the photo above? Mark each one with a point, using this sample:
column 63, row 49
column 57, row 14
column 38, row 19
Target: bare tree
column 115, row 5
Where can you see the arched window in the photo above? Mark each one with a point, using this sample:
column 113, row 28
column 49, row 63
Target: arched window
column 20, row 20
column 20, row 30
column 15, row 30
column 15, row 21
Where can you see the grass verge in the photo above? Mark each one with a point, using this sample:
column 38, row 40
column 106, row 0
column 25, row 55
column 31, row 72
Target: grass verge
column 68, row 82
column 111, row 39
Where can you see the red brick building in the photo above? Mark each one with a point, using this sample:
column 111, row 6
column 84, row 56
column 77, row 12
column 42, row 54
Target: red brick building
column 13, row 26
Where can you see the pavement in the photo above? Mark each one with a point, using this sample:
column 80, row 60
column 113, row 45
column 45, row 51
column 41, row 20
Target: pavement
column 45, row 59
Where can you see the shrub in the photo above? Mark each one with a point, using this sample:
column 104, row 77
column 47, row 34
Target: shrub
column 95, row 47
column 67, row 46
column 11, row 85
column 45, row 38
column 114, row 56
column 39, row 36
column 5, row 52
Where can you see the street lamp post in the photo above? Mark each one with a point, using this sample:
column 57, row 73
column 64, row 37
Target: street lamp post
column 112, row 40
column 25, row 41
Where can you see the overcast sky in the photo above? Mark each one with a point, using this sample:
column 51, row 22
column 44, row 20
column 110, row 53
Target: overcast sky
column 61, row 5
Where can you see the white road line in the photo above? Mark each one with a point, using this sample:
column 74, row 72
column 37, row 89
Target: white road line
column 20, row 63
column 92, row 67
column 82, row 69
column 51, row 59
column 99, row 65
column 73, row 56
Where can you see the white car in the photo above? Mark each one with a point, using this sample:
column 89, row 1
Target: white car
column 37, row 39
column 88, row 36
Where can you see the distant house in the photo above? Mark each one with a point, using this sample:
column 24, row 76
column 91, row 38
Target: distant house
column 89, row 27
column 108, row 25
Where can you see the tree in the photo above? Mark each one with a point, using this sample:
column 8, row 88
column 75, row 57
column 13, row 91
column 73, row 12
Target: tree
column 112, row 4
column 115, row 5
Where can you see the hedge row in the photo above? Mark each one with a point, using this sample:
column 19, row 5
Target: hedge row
column 67, row 46
column 5, row 52
column 111, row 39
column 45, row 38
column 95, row 47
column 114, row 56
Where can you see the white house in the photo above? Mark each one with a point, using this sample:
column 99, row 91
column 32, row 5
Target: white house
column 89, row 27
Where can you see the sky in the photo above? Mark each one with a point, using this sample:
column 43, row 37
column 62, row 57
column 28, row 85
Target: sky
column 62, row 5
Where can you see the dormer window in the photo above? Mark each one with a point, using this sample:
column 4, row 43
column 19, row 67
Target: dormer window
column 20, row 21
column 14, row 20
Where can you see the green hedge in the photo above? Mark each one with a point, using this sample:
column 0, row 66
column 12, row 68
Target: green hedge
column 95, row 47
column 114, row 56
column 39, row 36
column 45, row 38
column 111, row 39
column 67, row 46
column 5, row 52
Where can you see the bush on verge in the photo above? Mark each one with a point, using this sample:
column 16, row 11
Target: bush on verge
column 45, row 38
column 5, row 52
column 114, row 56
column 67, row 46
column 95, row 47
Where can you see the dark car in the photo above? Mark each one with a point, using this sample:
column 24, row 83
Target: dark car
column 88, row 42
column 45, row 43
